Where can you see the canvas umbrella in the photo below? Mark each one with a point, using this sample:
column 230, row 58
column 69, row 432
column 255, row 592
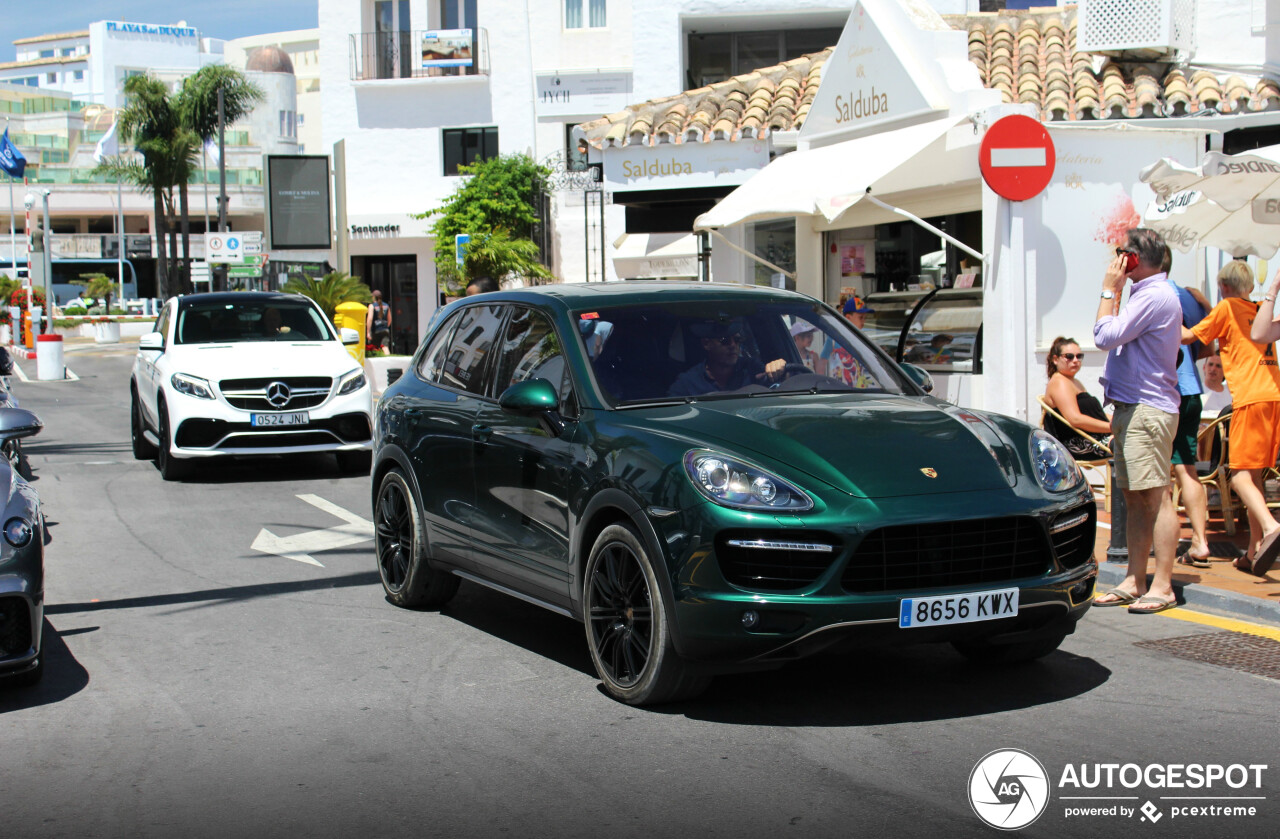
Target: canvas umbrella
column 1230, row 202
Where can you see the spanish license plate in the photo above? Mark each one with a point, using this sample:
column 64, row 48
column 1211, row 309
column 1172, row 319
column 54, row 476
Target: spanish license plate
column 265, row 420
column 957, row 608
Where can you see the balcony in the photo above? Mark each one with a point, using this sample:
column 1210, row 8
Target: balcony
column 414, row 55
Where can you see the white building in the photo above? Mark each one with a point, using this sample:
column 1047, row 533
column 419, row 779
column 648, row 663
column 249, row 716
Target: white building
column 302, row 47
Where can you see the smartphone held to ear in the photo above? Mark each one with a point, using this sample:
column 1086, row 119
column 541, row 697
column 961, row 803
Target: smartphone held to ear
column 1130, row 259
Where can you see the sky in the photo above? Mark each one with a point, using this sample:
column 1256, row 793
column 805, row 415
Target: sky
column 219, row 19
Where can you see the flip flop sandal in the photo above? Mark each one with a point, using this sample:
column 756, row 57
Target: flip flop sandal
column 1123, row 598
column 1160, row 604
column 1268, row 550
column 1243, row 563
column 1186, row 558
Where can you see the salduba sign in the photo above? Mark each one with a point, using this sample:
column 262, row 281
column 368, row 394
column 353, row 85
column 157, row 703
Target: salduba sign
column 682, row 165
column 886, row 68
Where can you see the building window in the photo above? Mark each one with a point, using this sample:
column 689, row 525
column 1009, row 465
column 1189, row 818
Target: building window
column 46, row 53
column 66, row 51
column 51, row 78
column 716, row 56
column 464, row 146
column 288, row 124
column 78, row 75
column 596, row 16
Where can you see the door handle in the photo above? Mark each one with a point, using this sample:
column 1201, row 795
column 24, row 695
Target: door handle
column 481, row 432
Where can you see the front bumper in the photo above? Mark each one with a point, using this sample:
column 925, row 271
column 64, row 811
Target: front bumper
column 836, row 608
column 211, row 428
column 21, row 624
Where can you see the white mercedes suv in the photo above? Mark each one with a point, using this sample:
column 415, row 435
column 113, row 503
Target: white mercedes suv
column 247, row 373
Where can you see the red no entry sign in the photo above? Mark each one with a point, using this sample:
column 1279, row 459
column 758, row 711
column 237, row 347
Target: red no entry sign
column 1016, row 158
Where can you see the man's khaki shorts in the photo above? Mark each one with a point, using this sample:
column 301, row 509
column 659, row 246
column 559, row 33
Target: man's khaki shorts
column 1143, row 445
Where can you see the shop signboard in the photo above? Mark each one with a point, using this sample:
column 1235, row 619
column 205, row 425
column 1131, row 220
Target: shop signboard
column 683, row 165
column 1016, row 157
column 882, row 71
column 577, row 93
column 298, row 202
column 447, row 48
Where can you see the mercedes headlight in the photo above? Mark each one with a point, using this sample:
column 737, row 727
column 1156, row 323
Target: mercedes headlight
column 351, row 382
column 191, row 386
column 731, row 482
column 1056, row 469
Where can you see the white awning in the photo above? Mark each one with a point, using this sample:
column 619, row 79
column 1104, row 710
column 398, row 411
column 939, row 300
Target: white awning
column 828, row 181
column 656, row 255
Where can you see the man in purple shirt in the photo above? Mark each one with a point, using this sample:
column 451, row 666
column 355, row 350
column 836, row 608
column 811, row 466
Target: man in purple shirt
column 1141, row 380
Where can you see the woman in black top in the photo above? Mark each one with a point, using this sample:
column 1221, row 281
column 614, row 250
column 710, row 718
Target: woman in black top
column 1069, row 398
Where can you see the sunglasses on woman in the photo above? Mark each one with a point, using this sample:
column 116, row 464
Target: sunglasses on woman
column 1072, row 356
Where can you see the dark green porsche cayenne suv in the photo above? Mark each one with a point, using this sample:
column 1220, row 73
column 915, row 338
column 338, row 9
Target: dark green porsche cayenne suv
column 715, row 478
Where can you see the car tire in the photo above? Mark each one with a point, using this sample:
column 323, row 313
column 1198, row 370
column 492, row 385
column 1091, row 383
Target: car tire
column 355, row 463
column 171, row 469
column 142, row 448
column 628, row 624
column 985, row 651
column 400, row 545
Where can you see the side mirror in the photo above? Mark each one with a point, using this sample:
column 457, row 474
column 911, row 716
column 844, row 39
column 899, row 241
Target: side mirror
column 918, row 375
column 16, row 423
column 534, row 398
column 151, row 341
column 349, row 335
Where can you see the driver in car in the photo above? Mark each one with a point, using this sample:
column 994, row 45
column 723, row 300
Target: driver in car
column 725, row 367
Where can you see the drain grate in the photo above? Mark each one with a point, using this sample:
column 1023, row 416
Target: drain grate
column 1235, row 650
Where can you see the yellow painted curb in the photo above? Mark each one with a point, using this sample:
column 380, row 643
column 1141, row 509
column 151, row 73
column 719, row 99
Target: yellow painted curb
column 1223, row 623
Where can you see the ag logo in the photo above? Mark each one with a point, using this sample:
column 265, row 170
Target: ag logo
column 1008, row 789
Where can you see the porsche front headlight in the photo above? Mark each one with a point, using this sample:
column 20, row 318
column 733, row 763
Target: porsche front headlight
column 1056, row 469
column 732, row 482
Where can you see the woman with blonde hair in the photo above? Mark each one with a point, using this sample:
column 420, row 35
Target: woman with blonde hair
column 1078, row 407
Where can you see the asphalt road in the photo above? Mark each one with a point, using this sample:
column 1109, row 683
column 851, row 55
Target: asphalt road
column 196, row 687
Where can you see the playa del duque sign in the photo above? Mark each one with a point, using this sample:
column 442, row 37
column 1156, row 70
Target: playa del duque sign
column 683, row 165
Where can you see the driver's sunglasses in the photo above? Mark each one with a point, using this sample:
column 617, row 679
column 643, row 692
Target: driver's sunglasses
column 726, row 340
column 1072, row 356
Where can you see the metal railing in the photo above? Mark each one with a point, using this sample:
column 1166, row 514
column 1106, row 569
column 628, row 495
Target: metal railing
column 404, row 55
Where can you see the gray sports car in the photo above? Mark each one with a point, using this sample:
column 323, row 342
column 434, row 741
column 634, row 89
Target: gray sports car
column 21, row 562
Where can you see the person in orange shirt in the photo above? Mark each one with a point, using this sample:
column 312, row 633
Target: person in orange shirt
column 1254, row 442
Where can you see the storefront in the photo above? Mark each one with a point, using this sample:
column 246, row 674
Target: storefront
column 393, row 255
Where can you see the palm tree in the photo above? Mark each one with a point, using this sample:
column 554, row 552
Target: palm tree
column 150, row 121
column 330, row 291
column 197, row 105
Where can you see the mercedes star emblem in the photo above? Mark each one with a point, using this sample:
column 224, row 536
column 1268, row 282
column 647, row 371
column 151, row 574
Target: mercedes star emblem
column 278, row 394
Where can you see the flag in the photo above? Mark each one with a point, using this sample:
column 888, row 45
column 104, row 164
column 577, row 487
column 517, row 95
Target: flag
column 211, row 149
column 108, row 146
column 11, row 160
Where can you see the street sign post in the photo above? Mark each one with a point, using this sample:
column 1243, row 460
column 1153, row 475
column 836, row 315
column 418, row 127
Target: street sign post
column 224, row 247
column 1017, row 157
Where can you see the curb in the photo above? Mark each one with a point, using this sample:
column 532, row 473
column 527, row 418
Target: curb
column 1239, row 605
column 21, row 352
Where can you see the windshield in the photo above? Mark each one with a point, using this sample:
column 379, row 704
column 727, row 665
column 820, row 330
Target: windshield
column 271, row 319
column 712, row 348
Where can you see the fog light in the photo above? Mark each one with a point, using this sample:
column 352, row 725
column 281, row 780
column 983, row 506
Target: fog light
column 750, row 618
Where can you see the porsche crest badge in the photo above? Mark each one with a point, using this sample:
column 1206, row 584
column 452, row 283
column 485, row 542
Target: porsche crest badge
column 930, row 472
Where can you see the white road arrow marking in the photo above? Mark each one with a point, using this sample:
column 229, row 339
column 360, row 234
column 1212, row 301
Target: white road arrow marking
column 300, row 546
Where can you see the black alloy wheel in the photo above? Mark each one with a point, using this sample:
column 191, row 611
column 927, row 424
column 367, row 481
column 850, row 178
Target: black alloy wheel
column 171, row 469
column 628, row 634
column 400, row 546
column 142, row 448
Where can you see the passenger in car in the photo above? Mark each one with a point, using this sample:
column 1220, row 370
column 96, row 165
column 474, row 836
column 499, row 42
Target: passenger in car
column 724, row 366
column 273, row 323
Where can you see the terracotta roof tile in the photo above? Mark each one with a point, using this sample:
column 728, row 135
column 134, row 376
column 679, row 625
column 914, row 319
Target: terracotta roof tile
column 1029, row 56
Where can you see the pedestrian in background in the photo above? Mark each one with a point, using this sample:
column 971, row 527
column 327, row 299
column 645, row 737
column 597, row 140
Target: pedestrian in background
column 1254, row 440
column 378, row 322
column 1185, row 449
column 1140, row 379
column 481, row 285
column 1217, row 393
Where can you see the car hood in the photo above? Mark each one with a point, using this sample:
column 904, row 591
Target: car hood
column 254, row 359
column 866, row 446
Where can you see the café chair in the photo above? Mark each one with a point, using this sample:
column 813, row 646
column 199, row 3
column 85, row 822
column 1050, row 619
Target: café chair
column 1214, row 474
